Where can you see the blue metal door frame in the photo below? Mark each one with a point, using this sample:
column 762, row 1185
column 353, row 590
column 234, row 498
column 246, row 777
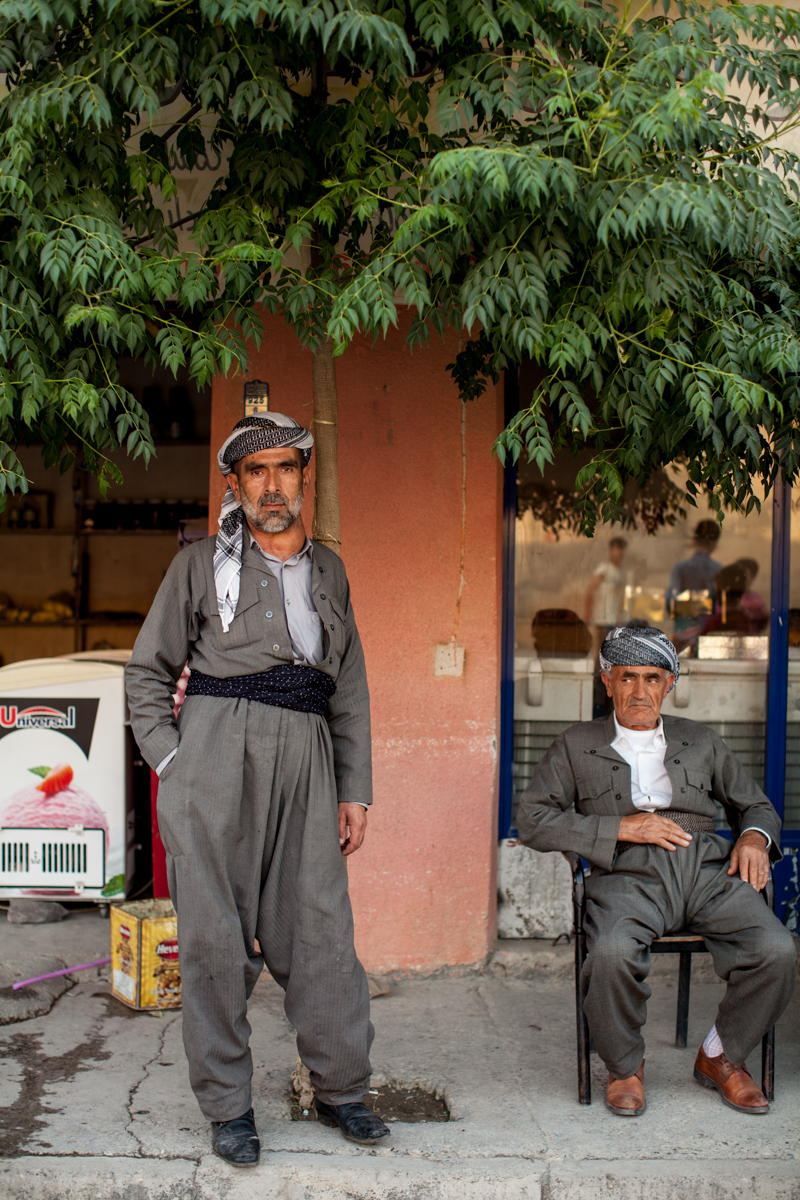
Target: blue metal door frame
column 511, row 386
column 778, row 676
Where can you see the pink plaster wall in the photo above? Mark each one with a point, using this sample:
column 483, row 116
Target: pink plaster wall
column 423, row 886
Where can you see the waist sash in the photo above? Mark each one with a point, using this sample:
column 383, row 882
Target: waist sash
column 692, row 822
column 304, row 689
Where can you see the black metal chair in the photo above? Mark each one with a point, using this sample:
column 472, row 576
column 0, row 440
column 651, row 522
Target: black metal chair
column 684, row 944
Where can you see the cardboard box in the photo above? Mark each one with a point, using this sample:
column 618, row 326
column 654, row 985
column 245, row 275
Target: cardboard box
column 145, row 969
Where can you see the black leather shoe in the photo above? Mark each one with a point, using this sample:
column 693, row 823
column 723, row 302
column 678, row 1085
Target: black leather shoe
column 237, row 1141
column 357, row 1122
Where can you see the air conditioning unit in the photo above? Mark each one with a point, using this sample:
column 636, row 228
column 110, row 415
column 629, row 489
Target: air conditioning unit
column 52, row 858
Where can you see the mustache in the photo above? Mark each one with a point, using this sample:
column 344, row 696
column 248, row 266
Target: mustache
column 272, row 498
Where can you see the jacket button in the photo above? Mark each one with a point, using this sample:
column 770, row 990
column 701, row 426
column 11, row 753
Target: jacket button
column 684, row 743
column 331, row 627
column 593, row 752
column 322, row 596
column 269, row 614
column 618, row 797
column 615, row 768
column 330, row 660
column 683, row 789
column 276, row 647
column 265, row 583
column 677, row 762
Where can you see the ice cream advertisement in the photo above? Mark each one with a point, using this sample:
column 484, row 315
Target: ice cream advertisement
column 62, row 787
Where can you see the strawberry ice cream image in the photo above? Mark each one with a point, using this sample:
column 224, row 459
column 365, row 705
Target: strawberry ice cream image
column 54, row 804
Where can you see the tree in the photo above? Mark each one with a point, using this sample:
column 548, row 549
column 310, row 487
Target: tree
column 88, row 267
column 574, row 184
column 620, row 211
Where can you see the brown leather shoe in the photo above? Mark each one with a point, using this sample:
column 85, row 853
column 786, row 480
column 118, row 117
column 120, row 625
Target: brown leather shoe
column 625, row 1097
column 735, row 1084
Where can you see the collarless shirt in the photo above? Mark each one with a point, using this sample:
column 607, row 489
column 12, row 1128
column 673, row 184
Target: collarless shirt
column 643, row 751
column 302, row 619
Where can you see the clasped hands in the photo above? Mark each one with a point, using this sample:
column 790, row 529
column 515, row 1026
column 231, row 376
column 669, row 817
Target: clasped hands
column 749, row 855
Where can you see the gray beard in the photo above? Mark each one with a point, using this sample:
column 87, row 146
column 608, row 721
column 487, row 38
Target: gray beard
column 268, row 522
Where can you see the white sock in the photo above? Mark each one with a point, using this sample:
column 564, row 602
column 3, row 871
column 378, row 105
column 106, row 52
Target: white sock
column 712, row 1045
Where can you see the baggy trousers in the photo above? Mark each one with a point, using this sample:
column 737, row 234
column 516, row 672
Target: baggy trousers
column 248, row 815
column 652, row 892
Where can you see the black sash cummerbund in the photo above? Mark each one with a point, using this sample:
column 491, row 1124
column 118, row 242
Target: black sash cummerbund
column 305, row 689
column 692, row 822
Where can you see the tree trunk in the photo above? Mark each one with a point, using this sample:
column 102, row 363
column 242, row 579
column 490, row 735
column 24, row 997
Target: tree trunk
column 326, row 445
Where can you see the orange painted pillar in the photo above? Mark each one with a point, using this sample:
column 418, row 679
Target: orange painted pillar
column 423, row 886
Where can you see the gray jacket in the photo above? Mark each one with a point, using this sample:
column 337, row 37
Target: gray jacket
column 183, row 625
column 582, row 787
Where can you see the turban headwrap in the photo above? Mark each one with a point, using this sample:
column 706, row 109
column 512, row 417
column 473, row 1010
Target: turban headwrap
column 624, row 647
column 248, row 437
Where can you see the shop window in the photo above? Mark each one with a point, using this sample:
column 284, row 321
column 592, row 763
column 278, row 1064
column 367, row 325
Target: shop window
column 662, row 563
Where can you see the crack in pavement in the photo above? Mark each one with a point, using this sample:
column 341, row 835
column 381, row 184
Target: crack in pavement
column 168, row 1022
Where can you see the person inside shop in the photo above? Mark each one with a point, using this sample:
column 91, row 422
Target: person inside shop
column 635, row 793
column 751, row 602
column 730, row 614
column 264, row 785
column 689, row 598
column 605, row 597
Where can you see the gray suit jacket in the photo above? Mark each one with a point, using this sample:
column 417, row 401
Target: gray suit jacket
column 581, row 789
column 183, row 625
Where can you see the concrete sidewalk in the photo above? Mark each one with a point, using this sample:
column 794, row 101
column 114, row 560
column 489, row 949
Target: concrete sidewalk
column 95, row 1101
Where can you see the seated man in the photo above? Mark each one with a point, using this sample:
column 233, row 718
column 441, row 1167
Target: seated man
column 634, row 794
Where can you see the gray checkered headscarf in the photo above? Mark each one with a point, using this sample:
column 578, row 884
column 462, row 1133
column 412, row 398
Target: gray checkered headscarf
column 248, row 437
column 648, row 647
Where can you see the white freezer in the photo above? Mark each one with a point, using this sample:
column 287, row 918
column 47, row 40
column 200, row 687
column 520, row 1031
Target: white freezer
column 66, row 822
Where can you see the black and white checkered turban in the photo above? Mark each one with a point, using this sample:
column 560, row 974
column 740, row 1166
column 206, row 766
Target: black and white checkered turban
column 247, row 437
column 263, row 433
column 648, row 647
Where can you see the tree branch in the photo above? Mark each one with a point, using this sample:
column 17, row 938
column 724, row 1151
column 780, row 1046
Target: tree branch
column 173, row 129
column 172, row 225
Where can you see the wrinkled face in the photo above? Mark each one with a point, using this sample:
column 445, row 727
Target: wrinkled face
column 271, row 487
column 638, row 693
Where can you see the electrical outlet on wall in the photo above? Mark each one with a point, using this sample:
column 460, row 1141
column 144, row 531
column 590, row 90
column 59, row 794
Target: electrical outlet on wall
column 448, row 659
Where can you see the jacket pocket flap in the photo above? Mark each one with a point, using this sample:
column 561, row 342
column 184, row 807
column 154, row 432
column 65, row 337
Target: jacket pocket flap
column 699, row 779
column 598, row 801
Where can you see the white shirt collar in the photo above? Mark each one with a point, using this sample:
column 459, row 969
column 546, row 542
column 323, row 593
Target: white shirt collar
column 647, row 737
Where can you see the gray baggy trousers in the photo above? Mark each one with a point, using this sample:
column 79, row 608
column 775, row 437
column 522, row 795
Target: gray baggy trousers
column 652, row 892
column 248, row 815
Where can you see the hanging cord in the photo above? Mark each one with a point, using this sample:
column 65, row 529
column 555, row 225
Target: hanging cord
column 463, row 549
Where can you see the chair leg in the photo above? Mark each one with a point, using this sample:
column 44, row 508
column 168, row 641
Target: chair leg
column 584, row 1062
column 684, row 983
column 768, row 1064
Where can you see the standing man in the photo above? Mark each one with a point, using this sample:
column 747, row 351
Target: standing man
column 605, row 596
column 696, row 573
column 635, row 794
column 264, row 786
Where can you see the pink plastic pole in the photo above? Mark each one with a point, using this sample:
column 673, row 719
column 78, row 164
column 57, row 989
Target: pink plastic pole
column 101, row 962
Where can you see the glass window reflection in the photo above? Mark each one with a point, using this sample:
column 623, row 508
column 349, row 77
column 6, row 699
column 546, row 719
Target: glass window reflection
column 706, row 585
